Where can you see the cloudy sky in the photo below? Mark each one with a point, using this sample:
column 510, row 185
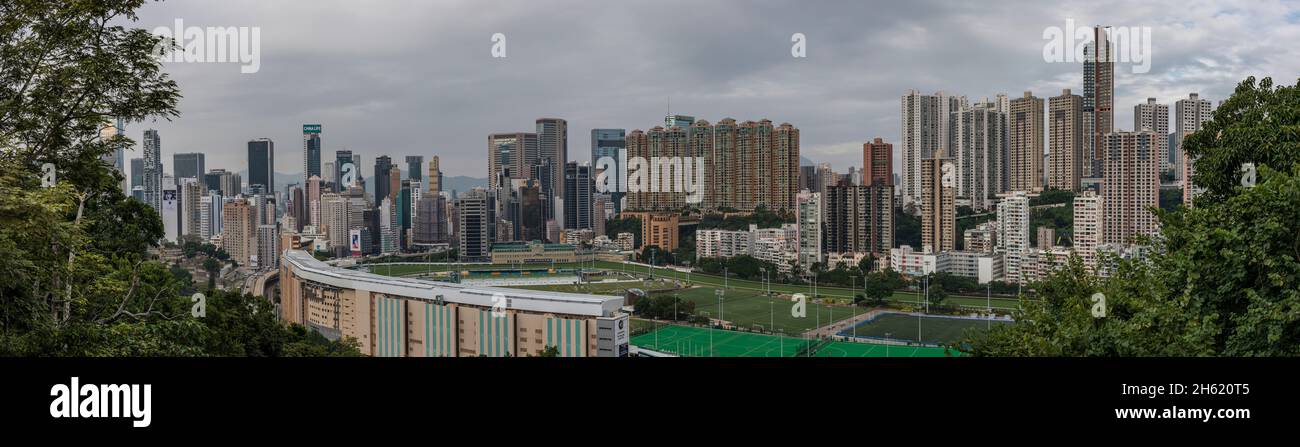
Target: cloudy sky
column 397, row 78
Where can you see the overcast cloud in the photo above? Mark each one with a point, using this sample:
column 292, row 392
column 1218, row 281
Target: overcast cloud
column 404, row 78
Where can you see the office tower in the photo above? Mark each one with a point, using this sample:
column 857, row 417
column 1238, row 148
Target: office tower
column 311, row 151
column 528, row 214
column 416, row 189
column 415, row 167
column 431, row 220
column 1098, row 97
column 1189, row 116
column 682, row 121
column 298, row 208
column 1025, row 143
column 137, row 172
column 1155, row 118
column 239, row 231
column 858, row 218
column 384, row 185
column 878, row 163
column 435, row 176
column 472, row 225
column 327, row 174
column 1013, row 235
column 115, row 159
column 811, row 229
column 808, row 178
column 925, row 129
column 388, row 226
column 577, row 196
column 208, row 215
column 188, row 165
column 553, row 145
column 1088, row 227
column 1131, row 186
column 981, row 144
column 511, row 156
column 342, row 159
column 938, row 206
column 404, row 208
column 1065, row 135
column 261, row 165
column 169, row 202
column 153, row 169
column 313, row 202
column 224, row 182
column 609, row 143
column 191, row 192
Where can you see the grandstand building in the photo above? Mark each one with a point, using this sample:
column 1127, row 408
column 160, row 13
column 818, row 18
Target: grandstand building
column 403, row 317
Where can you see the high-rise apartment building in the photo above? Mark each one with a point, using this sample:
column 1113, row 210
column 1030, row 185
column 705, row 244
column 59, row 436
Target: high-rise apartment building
column 812, row 229
column 979, row 136
column 1013, row 235
column 1098, row 97
column 1065, row 136
column 1025, row 142
column 268, row 247
column 1132, row 186
column 1189, row 116
column 938, row 203
column 153, row 169
column 1088, row 227
column 878, row 163
column 925, row 130
column 609, row 143
column 1155, row 118
column 239, row 231
column 859, row 218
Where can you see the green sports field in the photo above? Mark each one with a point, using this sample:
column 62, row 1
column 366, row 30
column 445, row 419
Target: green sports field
column 747, row 309
column 932, row 329
column 689, row 341
column 703, row 342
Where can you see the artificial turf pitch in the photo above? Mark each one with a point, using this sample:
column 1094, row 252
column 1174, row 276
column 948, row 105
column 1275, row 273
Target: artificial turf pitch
column 695, row 342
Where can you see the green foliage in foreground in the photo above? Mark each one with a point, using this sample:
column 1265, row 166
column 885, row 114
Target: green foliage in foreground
column 1225, row 278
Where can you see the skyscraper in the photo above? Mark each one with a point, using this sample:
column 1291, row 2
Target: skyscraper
column 261, row 165
column 859, row 219
column 415, row 167
column 1065, row 133
column 435, row 176
column 553, row 145
column 313, row 201
column 1132, row 185
column 925, row 129
column 938, row 203
column 511, row 156
column 1098, row 97
column 1154, row 117
column 980, row 153
column 812, row 228
column 878, row 163
column 472, row 225
column 311, row 151
column 609, row 143
column 137, row 172
column 188, row 165
column 153, row 169
column 577, row 196
column 1025, row 142
column 239, row 231
column 1189, row 116
column 383, row 179
column 1088, row 227
column 682, row 121
column 343, row 159
column 1013, row 235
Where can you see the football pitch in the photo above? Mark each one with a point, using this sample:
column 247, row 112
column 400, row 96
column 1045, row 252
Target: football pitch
column 929, row 329
column 748, row 309
column 703, row 342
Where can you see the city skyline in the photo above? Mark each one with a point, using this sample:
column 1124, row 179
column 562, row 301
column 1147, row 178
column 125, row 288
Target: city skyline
column 843, row 94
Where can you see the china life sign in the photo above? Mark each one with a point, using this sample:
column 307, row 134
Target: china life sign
column 311, row 128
